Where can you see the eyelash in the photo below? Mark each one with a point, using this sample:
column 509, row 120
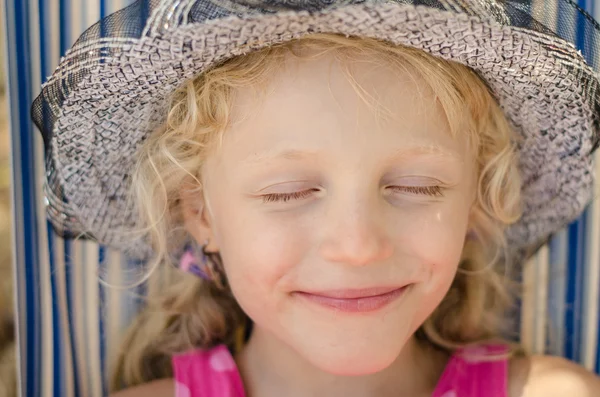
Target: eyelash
column 435, row 191
column 271, row 197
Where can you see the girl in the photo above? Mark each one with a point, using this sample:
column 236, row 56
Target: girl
column 345, row 190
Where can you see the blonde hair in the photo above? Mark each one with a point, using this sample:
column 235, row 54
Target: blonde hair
column 185, row 312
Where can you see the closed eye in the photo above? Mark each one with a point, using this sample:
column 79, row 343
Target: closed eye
column 434, row 191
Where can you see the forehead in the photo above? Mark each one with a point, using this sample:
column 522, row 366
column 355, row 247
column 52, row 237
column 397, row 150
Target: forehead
column 322, row 105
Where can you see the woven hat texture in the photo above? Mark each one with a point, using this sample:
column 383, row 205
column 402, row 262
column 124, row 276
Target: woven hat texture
column 108, row 92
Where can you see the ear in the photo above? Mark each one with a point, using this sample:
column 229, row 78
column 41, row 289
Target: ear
column 473, row 215
column 196, row 215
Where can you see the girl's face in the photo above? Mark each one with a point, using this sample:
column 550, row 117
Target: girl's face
column 314, row 198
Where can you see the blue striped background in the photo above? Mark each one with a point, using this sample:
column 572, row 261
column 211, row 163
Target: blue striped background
column 67, row 321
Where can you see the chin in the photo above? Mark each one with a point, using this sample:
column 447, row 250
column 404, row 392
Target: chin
column 350, row 362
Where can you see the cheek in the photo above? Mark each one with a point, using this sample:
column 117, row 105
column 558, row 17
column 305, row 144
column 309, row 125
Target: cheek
column 259, row 256
column 437, row 240
column 435, row 234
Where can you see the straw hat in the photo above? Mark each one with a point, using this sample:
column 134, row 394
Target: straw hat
column 109, row 91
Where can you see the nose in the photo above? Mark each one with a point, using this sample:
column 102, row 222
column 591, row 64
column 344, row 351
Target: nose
column 355, row 234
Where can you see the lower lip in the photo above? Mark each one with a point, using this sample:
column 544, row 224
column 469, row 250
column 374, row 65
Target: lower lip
column 355, row 305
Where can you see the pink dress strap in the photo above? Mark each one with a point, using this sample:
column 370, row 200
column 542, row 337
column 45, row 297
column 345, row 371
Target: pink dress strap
column 475, row 372
column 207, row 373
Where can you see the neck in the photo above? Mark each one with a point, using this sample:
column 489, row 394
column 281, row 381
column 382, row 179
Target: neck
column 269, row 367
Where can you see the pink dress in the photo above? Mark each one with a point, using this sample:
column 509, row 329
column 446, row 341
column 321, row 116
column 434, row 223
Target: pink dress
column 469, row 373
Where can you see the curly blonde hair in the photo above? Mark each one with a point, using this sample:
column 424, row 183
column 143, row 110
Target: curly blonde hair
column 184, row 312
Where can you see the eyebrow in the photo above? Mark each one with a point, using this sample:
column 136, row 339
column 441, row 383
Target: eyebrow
column 286, row 154
column 297, row 155
column 425, row 150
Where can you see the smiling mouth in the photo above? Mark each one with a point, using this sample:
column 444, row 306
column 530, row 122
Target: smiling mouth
column 354, row 301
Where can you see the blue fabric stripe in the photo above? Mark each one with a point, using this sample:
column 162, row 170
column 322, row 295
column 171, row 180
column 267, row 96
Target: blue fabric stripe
column 598, row 355
column 103, row 8
column 584, row 42
column 593, row 42
column 580, row 43
column 23, row 162
column 574, row 298
column 102, row 325
column 556, row 291
column 565, row 27
column 64, row 18
column 575, row 286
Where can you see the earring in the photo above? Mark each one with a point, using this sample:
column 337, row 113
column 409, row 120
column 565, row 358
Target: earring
column 471, row 235
column 206, row 265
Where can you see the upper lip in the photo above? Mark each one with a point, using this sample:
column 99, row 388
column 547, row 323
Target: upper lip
column 354, row 293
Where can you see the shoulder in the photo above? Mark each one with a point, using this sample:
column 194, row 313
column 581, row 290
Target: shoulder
column 546, row 376
column 159, row 388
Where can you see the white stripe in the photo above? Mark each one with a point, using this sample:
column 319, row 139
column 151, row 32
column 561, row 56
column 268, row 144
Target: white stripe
column 557, row 283
column 592, row 269
column 545, row 10
column 53, row 19
column 70, row 308
column 66, row 371
column 47, row 329
column 75, row 19
column 92, row 319
column 91, row 13
column 589, row 5
column 91, row 374
column 111, row 6
column 528, row 305
column 47, row 364
column 78, row 309
column 541, row 301
column 87, row 328
column 114, row 298
column 116, row 5
column 86, row 373
column 591, row 285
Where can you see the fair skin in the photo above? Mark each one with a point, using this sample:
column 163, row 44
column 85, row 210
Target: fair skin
column 379, row 203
